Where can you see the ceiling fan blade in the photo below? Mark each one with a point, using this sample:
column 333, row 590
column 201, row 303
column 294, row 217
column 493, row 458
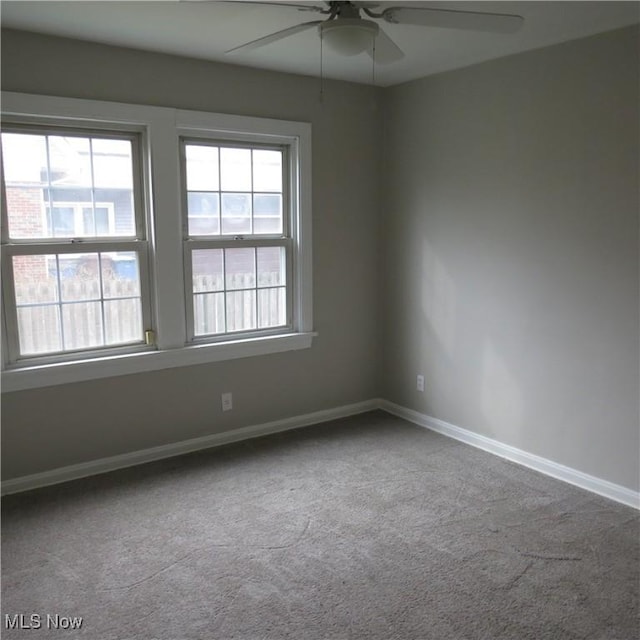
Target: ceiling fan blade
column 450, row 19
column 300, row 7
column 386, row 51
column 274, row 37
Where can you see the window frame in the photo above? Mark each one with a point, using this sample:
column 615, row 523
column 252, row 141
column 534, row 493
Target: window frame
column 251, row 240
column 63, row 245
column 162, row 129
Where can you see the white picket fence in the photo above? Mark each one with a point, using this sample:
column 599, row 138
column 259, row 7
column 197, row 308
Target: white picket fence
column 89, row 319
column 240, row 308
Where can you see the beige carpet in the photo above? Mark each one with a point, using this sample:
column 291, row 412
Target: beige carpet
column 367, row 527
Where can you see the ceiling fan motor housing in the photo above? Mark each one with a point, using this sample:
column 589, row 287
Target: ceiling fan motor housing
column 348, row 33
column 348, row 36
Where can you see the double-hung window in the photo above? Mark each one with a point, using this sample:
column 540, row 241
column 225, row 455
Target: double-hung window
column 137, row 238
column 75, row 255
column 238, row 247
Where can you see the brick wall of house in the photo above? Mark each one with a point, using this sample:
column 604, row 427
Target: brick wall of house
column 25, row 213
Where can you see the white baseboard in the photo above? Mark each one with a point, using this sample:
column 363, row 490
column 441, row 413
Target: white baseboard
column 103, row 465
column 537, row 463
column 548, row 467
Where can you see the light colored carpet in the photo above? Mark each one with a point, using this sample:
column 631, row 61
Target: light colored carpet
column 366, row 527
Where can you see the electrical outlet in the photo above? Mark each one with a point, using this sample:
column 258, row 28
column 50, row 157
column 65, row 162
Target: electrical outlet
column 227, row 401
column 420, row 383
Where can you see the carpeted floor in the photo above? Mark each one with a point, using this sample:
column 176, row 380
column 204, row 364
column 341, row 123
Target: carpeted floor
column 367, row 527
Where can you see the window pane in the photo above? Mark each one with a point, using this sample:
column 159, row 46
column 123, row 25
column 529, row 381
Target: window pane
column 95, row 222
column 236, row 213
column 82, row 325
column 25, row 173
column 207, row 270
column 25, row 159
column 204, row 213
column 118, row 203
column 112, row 164
column 235, row 169
column 62, row 223
column 69, row 161
column 271, row 266
column 267, row 170
column 202, row 168
column 35, row 279
column 120, row 274
column 241, row 310
column 240, row 268
column 209, row 314
column 79, row 276
column 272, row 307
column 27, row 211
column 267, row 213
column 39, row 329
column 123, row 321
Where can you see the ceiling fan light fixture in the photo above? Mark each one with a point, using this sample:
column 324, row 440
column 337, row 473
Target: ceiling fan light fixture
column 348, row 36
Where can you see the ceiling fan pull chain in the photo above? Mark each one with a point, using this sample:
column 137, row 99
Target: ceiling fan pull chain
column 321, row 71
column 373, row 62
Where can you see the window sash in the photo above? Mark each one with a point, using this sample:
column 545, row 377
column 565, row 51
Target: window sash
column 194, row 245
column 15, row 357
column 234, row 143
column 105, row 132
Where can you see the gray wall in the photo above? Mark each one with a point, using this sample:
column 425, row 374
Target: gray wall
column 51, row 427
column 512, row 251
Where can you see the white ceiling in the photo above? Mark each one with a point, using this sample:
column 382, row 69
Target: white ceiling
column 207, row 29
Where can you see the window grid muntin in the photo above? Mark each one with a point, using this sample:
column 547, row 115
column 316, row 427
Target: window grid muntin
column 42, row 246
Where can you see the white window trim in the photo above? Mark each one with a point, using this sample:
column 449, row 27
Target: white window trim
column 163, row 127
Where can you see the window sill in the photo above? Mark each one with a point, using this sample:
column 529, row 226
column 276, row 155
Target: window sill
column 82, row 370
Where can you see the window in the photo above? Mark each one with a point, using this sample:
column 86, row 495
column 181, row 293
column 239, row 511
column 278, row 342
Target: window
column 75, row 253
column 137, row 238
column 238, row 247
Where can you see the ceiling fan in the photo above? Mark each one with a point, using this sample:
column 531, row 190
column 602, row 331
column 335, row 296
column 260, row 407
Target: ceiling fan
column 348, row 33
